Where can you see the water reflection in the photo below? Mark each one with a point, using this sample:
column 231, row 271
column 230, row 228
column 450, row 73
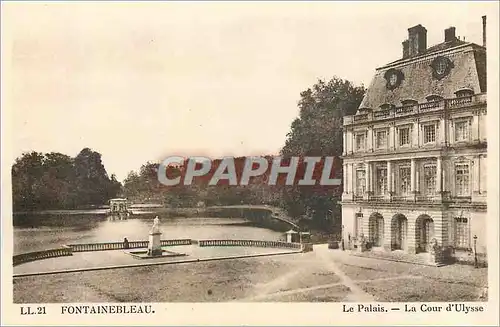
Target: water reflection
column 49, row 232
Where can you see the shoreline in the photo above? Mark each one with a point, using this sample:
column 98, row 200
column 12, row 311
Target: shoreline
column 260, row 215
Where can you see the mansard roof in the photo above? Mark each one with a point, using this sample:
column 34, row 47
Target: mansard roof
column 468, row 71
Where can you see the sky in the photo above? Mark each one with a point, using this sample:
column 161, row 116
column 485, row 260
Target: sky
column 138, row 82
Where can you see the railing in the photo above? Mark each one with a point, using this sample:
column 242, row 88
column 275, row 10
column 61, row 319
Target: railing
column 121, row 245
column 431, row 105
column 176, row 242
column 405, row 110
column 361, row 117
column 39, row 255
column 433, row 198
column 69, row 249
column 417, row 108
column 382, row 114
column 251, row 243
column 459, row 102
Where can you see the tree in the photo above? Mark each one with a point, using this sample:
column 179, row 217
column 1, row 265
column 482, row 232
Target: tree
column 58, row 178
column 114, row 187
column 144, row 186
column 27, row 172
column 318, row 132
column 318, row 129
column 57, row 181
column 91, row 177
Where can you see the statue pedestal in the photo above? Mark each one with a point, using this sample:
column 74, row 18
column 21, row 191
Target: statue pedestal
column 154, row 246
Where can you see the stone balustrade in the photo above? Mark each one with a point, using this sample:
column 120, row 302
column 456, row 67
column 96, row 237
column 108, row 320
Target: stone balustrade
column 425, row 107
column 251, row 243
column 121, row 245
column 176, row 242
column 107, row 246
column 39, row 255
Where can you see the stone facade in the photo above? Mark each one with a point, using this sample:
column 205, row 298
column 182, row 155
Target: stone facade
column 415, row 153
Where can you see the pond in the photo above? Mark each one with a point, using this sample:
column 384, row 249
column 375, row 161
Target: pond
column 41, row 232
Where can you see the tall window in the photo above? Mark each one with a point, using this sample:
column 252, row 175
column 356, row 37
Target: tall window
column 461, row 131
column 429, row 133
column 404, row 136
column 382, row 181
column 404, row 180
column 360, row 182
column 462, row 233
column 462, row 179
column 381, row 140
column 360, row 142
column 430, row 179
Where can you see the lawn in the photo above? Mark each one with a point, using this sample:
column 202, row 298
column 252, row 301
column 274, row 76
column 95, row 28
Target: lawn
column 304, row 277
column 213, row 281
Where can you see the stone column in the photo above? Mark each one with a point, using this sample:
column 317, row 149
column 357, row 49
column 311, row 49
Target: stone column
column 389, row 178
column 475, row 129
column 349, row 142
column 391, row 137
column 413, row 177
column 476, row 176
column 410, row 234
column 367, row 177
column 483, row 173
column 442, row 131
column 369, row 136
column 353, row 179
column 344, row 144
column 417, row 180
column 439, row 176
column 372, row 183
column 414, row 134
column 344, row 173
column 387, row 233
column 347, row 195
column 451, row 132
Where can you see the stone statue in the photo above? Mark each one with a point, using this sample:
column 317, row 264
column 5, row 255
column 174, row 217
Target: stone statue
column 156, row 226
column 434, row 246
column 154, row 246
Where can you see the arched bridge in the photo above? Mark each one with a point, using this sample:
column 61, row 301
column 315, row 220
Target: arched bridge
column 251, row 212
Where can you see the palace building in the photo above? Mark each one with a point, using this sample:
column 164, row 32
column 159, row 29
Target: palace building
column 415, row 152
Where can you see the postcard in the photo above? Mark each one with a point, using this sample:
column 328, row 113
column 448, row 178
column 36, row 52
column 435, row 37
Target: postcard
column 249, row 163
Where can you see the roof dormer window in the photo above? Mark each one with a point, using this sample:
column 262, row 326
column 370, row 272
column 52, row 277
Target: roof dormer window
column 433, row 98
column 386, row 106
column 409, row 102
column 465, row 92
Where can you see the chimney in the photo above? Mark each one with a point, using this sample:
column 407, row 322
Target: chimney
column 406, row 49
column 449, row 34
column 484, row 31
column 417, row 37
